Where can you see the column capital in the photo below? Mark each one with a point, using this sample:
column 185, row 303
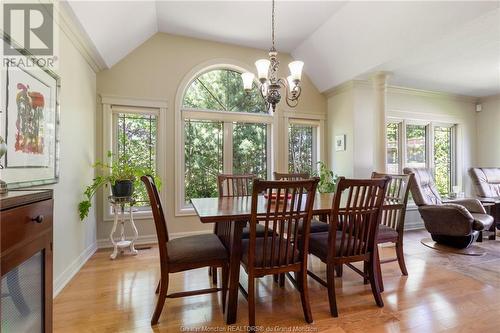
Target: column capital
column 380, row 77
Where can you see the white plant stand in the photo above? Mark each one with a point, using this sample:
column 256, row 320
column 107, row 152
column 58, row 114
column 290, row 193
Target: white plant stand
column 118, row 204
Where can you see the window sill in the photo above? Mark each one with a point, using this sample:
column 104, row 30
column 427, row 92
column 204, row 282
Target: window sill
column 186, row 211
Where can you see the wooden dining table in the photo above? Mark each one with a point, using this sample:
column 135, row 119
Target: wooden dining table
column 232, row 215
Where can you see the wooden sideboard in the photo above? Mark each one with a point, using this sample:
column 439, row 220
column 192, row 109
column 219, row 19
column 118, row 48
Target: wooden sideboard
column 26, row 222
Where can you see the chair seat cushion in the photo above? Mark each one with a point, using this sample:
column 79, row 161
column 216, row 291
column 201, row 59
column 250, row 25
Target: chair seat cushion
column 481, row 221
column 386, row 234
column 196, row 249
column 259, row 252
column 318, row 226
column 318, row 244
column 259, row 231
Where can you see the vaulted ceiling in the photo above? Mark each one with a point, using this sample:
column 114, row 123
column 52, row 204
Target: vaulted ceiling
column 446, row 46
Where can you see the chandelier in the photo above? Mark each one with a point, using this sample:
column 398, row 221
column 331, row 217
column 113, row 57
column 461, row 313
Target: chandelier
column 270, row 84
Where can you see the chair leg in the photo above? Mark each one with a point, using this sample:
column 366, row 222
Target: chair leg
column 276, row 278
column 374, row 277
column 330, row 280
column 304, row 295
column 251, row 301
column 282, row 280
column 158, row 287
column 225, row 279
column 339, row 270
column 379, row 270
column 401, row 257
column 161, row 298
column 214, row 275
column 365, row 270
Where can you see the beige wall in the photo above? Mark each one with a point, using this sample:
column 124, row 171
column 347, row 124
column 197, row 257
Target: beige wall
column 74, row 241
column 488, row 133
column 154, row 71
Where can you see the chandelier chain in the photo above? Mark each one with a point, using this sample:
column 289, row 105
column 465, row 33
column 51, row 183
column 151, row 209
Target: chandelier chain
column 272, row 22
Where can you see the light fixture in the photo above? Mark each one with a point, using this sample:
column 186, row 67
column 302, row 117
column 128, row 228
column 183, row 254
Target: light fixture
column 270, row 84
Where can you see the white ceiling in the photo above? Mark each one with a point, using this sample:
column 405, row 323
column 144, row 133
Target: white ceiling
column 446, row 46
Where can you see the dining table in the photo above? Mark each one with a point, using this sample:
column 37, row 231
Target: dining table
column 232, row 214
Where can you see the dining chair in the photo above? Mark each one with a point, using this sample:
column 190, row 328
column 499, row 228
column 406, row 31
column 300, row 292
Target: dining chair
column 182, row 254
column 391, row 228
column 318, row 223
column 352, row 234
column 231, row 185
column 287, row 203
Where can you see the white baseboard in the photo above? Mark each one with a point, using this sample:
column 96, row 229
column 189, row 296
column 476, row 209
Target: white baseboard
column 105, row 243
column 62, row 280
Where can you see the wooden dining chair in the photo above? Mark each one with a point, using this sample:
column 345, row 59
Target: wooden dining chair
column 290, row 176
column 351, row 237
column 279, row 251
column 182, row 254
column 391, row 228
column 230, row 185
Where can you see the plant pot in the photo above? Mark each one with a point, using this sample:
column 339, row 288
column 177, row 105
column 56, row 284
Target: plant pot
column 122, row 188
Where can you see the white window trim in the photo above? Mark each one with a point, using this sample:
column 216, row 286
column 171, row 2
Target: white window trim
column 181, row 114
column 111, row 105
column 318, row 133
column 456, row 149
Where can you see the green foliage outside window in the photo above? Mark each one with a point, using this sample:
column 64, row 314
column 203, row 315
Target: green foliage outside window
column 222, row 90
column 300, row 149
column 203, row 158
column 442, row 159
column 250, row 149
column 416, row 145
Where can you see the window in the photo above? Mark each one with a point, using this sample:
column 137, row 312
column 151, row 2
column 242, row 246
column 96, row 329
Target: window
column 225, row 131
column 135, row 135
column 302, row 147
column 423, row 145
column 393, row 151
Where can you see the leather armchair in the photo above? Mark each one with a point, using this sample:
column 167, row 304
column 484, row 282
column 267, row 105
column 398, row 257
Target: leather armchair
column 487, row 186
column 454, row 223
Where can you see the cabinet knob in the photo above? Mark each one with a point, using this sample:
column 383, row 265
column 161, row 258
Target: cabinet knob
column 38, row 219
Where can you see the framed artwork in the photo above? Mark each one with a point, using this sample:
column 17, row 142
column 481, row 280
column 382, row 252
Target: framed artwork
column 340, row 142
column 29, row 124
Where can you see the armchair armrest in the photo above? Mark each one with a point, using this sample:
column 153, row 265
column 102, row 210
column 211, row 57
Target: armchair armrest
column 447, row 219
column 472, row 205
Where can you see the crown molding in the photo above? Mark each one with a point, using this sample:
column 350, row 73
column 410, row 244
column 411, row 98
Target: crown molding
column 339, row 89
column 430, row 93
column 72, row 29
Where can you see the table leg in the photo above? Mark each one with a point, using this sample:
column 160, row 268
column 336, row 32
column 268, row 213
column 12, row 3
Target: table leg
column 234, row 271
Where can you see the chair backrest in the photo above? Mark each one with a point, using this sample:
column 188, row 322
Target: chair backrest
column 235, row 185
column 355, row 217
column 486, row 181
column 396, row 199
column 423, row 188
column 287, row 215
column 290, row 176
column 158, row 216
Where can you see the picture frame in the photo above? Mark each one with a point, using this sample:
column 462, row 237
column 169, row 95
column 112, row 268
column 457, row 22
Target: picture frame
column 340, row 142
column 29, row 123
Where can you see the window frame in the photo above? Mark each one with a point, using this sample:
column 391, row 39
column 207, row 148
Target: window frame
column 429, row 144
column 317, row 139
column 228, row 118
column 113, row 105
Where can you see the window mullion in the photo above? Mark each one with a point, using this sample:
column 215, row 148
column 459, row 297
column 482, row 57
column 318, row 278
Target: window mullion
column 228, row 147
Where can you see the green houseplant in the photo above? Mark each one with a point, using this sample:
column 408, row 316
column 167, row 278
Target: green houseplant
column 119, row 173
column 327, row 179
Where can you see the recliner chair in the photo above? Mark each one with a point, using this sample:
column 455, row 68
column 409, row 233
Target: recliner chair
column 487, row 185
column 455, row 223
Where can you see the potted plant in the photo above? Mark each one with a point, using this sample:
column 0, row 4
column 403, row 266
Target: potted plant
column 119, row 173
column 327, row 179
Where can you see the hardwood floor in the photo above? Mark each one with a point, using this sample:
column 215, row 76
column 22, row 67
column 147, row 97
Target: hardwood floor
column 443, row 293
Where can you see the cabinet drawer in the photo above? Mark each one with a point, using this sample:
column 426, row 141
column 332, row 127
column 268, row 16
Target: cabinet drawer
column 25, row 223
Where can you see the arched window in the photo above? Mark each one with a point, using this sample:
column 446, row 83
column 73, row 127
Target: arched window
column 225, row 130
column 222, row 90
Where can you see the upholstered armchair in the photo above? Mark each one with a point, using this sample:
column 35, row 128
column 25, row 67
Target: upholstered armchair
column 487, row 186
column 454, row 223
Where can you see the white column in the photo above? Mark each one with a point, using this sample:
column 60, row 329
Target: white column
column 379, row 85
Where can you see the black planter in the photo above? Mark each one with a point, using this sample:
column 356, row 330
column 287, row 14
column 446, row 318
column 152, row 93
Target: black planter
column 122, row 188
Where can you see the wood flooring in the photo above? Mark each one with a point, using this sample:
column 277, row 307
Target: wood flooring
column 443, row 292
